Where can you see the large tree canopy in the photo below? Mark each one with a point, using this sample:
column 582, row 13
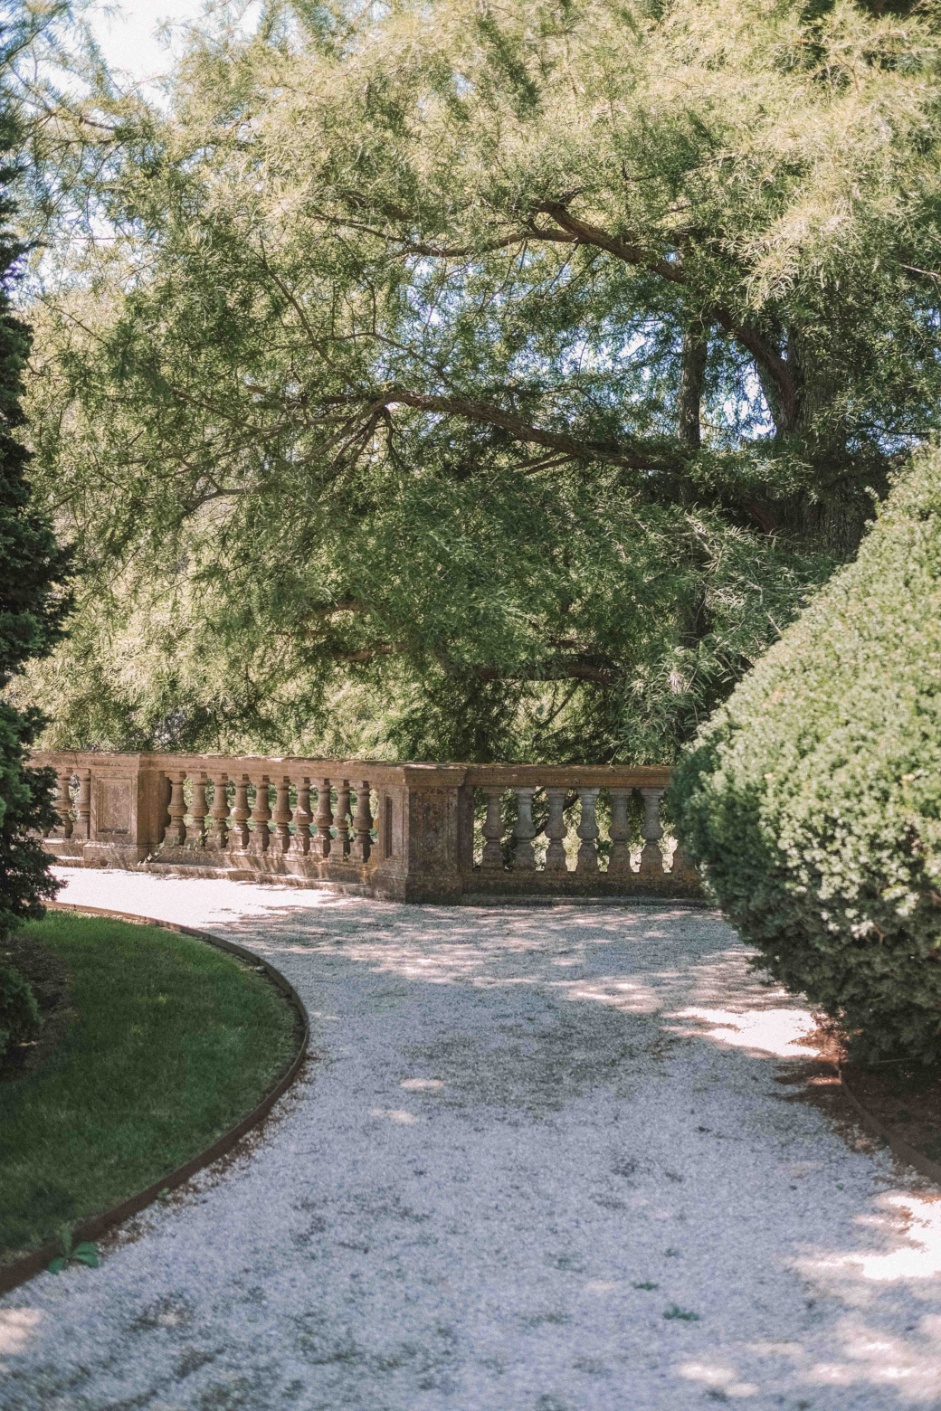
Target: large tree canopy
column 475, row 379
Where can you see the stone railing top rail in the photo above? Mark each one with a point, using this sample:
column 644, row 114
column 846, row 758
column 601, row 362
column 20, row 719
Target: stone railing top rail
column 416, row 775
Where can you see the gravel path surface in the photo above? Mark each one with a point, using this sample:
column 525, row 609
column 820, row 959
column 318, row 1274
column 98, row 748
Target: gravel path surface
column 549, row 1160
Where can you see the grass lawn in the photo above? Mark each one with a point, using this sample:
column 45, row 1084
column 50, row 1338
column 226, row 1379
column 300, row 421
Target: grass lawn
column 162, row 1043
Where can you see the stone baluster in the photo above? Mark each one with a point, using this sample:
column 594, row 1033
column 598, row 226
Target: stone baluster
column 238, row 824
column 341, row 821
column 362, row 824
column 323, row 842
column 556, row 831
column 651, row 859
column 282, row 815
column 218, row 834
column 83, row 808
column 619, row 863
column 175, row 833
column 300, row 843
column 199, row 808
column 261, row 816
column 493, row 830
column 63, row 804
column 524, row 830
column 588, row 830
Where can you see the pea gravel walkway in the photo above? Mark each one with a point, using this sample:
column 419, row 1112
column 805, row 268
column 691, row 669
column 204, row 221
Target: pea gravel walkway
column 549, row 1160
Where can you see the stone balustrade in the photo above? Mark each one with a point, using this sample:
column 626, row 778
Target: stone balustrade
column 407, row 832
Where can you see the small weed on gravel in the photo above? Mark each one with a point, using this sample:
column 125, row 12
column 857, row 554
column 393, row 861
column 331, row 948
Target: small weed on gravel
column 684, row 1315
column 86, row 1253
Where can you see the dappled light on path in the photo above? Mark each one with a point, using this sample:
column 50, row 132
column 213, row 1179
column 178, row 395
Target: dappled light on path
column 916, row 1220
column 908, row 1367
column 16, row 1325
column 549, row 1160
column 781, row 1032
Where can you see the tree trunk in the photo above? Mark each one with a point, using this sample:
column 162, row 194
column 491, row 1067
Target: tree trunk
column 692, row 379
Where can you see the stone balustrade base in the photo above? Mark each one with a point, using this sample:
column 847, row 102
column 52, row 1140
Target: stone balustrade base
column 474, row 890
column 398, row 832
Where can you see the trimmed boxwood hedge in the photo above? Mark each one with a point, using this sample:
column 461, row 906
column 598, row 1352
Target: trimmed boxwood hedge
column 812, row 799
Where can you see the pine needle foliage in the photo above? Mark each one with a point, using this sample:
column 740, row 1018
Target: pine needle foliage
column 478, row 380
column 32, row 569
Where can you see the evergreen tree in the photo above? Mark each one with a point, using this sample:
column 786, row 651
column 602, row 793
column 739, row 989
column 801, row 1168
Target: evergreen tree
column 32, row 603
column 445, row 378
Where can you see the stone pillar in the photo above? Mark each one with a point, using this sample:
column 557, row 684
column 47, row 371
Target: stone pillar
column 125, row 809
column 524, row 830
column 683, row 873
column 493, row 830
column 261, row 816
column 175, row 835
column 282, row 816
column 300, row 843
column 362, row 825
column 238, row 827
column 435, row 832
column 588, row 830
column 341, row 822
column 556, row 831
column 323, row 842
column 619, row 863
column 651, row 859
column 219, row 832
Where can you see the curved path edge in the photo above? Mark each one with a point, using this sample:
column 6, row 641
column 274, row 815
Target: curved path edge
column 27, row 1266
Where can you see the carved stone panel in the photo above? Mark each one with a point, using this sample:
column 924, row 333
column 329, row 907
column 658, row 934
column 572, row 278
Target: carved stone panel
column 112, row 807
column 433, row 828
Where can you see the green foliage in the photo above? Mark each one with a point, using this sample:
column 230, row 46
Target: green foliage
column 519, row 368
column 31, row 609
column 85, row 1253
column 19, row 1012
column 813, row 799
column 682, row 1315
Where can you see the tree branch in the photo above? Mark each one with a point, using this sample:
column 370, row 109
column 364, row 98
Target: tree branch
column 573, row 231
column 521, row 430
column 630, row 253
column 673, row 270
column 574, row 668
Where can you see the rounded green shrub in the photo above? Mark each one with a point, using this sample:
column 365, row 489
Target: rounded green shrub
column 19, row 1012
column 812, row 799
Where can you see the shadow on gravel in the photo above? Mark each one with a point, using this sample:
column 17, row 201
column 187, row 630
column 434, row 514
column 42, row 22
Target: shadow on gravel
column 666, row 1221
column 602, row 1023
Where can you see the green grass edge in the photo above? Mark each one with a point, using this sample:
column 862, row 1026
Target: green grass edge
column 173, row 1041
